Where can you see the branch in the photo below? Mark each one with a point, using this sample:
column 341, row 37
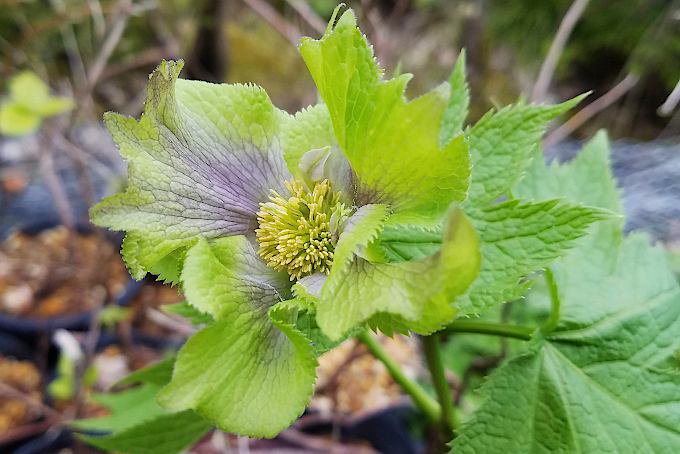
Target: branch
column 313, row 20
column 273, row 18
column 591, row 110
column 547, row 71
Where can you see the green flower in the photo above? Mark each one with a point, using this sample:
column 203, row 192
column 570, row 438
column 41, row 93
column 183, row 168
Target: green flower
column 291, row 231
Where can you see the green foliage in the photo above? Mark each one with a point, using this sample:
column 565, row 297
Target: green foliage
column 28, row 103
column 63, row 387
column 136, row 424
column 604, row 379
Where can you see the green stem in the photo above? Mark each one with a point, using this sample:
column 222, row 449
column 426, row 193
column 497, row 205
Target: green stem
column 554, row 318
column 420, row 398
column 494, row 329
column 448, row 420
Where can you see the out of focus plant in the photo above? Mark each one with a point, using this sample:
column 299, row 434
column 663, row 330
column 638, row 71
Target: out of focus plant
column 28, row 103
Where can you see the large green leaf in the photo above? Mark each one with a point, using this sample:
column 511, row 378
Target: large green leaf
column 601, row 384
column 392, row 145
column 248, row 373
column 607, row 378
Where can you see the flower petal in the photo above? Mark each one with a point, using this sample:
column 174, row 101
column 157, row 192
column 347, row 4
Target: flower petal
column 414, row 294
column 250, row 372
column 392, row 145
column 201, row 159
column 312, row 153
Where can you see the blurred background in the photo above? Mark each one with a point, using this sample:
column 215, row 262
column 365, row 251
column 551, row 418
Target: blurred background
column 71, row 320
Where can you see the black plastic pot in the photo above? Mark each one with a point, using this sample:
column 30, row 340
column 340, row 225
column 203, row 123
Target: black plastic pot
column 387, row 430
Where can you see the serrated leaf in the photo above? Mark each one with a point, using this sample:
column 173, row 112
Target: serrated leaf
column 457, row 106
column 602, row 386
column 501, row 147
column 391, row 144
column 518, row 239
column 606, row 380
column 248, row 373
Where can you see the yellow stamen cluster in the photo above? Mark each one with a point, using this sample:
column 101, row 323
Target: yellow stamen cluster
column 295, row 233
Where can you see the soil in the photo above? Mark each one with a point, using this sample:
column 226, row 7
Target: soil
column 58, row 272
column 24, row 377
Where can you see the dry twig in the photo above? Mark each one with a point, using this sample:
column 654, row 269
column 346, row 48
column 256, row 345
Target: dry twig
column 557, row 48
column 592, row 109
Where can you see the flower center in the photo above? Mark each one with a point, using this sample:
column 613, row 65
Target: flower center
column 298, row 234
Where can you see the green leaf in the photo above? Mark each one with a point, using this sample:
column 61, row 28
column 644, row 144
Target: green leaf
column 391, row 144
column 186, row 310
column 163, row 434
column 457, row 107
column 501, row 146
column 416, row 293
column 606, row 380
column 186, row 159
column 248, row 373
column 54, row 106
column 127, row 409
column 136, row 424
column 16, row 120
column 518, row 239
column 28, row 90
column 158, row 373
column 602, row 385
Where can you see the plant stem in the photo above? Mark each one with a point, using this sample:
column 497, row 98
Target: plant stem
column 448, row 419
column 420, row 398
column 494, row 329
column 554, row 318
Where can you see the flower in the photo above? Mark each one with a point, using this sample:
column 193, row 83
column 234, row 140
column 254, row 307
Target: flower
column 290, row 231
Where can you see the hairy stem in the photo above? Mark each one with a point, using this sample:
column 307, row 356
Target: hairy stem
column 448, row 420
column 420, row 398
column 490, row 328
column 554, row 318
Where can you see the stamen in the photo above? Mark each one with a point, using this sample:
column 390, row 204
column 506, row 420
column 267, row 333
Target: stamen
column 294, row 233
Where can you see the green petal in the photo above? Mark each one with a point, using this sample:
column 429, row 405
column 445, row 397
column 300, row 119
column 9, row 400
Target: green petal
column 247, row 373
column 312, row 153
column 418, row 292
column 201, row 159
column 391, row 144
